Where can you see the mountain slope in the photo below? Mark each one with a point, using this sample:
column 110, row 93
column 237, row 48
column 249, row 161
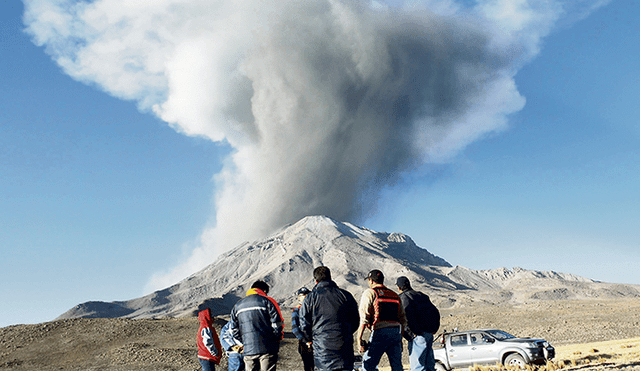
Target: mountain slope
column 287, row 258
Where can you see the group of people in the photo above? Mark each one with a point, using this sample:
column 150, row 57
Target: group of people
column 324, row 322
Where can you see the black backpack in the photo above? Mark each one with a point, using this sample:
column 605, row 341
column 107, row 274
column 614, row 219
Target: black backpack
column 433, row 314
column 421, row 313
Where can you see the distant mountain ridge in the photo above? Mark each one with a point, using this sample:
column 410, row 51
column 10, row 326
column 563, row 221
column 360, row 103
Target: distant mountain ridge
column 286, row 260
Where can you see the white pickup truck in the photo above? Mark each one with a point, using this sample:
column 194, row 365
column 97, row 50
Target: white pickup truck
column 484, row 347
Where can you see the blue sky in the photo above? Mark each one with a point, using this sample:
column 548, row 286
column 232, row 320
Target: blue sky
column 97, row 197
column 559, row 189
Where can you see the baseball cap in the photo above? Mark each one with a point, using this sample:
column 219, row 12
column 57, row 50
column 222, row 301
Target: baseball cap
column 375, row 275
column 302, row 291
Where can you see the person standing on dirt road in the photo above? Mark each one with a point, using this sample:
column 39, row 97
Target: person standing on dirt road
column 256, row 321
column 381, row 312
column 329, row 316
column 304, row 343
column 423, row 321
column 233, row 347
column 209, row 349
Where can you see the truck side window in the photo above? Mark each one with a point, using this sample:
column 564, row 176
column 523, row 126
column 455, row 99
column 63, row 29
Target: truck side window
column 476, row 338
column 458, row 340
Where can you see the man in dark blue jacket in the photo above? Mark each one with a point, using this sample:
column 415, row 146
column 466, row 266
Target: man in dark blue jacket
column 257, row 323
column 329, row 316
column 423, row 320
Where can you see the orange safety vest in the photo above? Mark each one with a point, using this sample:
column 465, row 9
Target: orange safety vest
column 386, row 306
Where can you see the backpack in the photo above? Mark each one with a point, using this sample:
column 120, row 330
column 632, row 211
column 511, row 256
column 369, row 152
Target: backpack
column 422, row 315
column 433, row 314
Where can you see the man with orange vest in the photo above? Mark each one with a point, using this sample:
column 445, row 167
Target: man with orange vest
column 383, row 314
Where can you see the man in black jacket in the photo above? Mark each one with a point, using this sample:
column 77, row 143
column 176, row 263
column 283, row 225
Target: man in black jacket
column 329, row 316
column 257, row 323
column 423, row 320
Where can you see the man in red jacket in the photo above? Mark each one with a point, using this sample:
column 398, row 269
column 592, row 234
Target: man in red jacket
column 209, row 349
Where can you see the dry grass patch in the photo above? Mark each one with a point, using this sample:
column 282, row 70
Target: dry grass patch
column 626, row 351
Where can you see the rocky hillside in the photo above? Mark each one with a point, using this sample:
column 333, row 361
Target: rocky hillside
column 287, row 258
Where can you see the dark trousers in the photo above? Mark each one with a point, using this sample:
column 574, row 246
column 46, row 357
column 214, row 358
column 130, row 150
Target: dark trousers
column 306, row 353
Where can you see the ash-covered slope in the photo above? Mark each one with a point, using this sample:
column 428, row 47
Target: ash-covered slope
column 286, row 261
column 287, row 258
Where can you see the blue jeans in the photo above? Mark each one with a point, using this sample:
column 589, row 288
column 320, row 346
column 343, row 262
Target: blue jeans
column 207, row 365
column 421, row 353
column 235, row 361
column 385, row 340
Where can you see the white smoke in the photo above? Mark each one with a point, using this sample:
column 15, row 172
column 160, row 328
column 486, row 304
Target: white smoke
column 325, row 103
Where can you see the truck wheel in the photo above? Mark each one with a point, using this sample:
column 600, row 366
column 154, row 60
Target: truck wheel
column 440, row 367
column 515, row 359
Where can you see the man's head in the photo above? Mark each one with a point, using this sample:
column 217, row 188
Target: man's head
column 261, row 285
column 375, row 276
column 403, row 283
column 321, row 274
column 302, row 293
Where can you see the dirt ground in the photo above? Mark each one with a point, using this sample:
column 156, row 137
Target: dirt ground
column 169, row 344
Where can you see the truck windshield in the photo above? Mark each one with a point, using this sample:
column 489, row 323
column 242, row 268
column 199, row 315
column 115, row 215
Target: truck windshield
column 500, row 335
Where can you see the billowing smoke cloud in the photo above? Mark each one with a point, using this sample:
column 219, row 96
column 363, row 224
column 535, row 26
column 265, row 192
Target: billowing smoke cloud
column 325, row 102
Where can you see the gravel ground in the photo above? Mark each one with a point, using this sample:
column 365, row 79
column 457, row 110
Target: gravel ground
column 169, row 344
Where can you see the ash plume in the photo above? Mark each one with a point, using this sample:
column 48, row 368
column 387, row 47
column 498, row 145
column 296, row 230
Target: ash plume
column 323, row 103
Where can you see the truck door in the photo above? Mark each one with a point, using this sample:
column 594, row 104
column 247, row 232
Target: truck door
column 459, row 353
column 483, row 349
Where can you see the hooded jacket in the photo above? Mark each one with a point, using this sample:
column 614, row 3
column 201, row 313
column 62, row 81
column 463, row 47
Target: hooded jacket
column 329, row 316
column 208, row 343
column 257, row 323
